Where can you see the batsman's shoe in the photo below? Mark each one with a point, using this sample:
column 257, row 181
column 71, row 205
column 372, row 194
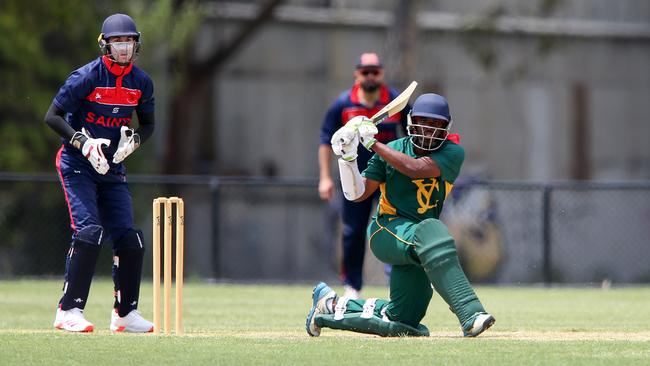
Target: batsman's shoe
column 72, row 320
column 351, row 292
column 133, row 322
column 319, row 297
column 480, row 323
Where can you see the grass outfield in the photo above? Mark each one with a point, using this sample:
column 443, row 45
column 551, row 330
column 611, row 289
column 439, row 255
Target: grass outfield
column 264, row 325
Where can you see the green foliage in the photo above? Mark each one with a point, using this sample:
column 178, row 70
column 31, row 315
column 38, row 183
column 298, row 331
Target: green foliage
column 167, row 34
column 41, row 43
column 163, row 26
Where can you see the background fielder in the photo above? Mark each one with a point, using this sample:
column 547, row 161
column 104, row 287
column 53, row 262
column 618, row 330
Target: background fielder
column 365, row 98
column 92, row 112
column 414, row 174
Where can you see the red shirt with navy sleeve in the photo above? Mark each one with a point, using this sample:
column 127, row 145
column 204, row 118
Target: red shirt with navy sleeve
column 101, row 97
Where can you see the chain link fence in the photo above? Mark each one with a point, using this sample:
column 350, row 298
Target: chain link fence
column 252, row 229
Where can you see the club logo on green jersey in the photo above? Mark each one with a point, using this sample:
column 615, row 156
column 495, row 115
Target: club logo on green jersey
column 425, row 193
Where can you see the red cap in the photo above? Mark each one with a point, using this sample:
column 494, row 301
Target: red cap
column 369, row 59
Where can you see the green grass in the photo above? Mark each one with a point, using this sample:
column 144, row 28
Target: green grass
column 264, row 325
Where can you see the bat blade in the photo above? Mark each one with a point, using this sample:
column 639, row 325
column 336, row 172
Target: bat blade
column 395, row 105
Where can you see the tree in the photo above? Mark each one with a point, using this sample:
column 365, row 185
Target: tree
column 192, row 101
column 40, row 45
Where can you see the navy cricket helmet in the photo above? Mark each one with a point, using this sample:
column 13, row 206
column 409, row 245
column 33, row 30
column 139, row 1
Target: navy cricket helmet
column 430, row 131
column 118, row 25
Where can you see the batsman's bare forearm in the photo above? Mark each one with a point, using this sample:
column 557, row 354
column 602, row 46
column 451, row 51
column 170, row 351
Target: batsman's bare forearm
column 423, row 167
column 370, row 187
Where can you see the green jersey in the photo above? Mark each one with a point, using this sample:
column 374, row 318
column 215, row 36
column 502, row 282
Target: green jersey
column 416, row 199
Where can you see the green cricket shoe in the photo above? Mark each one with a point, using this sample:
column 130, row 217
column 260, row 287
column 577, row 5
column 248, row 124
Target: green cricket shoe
column 319, row 297
column 479, row 323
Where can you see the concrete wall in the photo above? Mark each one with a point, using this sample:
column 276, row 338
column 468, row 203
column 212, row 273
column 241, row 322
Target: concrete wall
column 513, row 98
column 512, row 95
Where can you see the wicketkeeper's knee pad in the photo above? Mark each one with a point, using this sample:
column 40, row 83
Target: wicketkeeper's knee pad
column 80, row 266
column 91, row 235
column 131, row 239
column 356, row 322
column 433, row 243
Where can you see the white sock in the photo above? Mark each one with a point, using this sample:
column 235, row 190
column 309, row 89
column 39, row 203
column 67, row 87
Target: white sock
column 329, row 305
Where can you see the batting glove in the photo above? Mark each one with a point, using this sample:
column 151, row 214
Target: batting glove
column 129, row 141
column 367, row 131
column 355, row 122
column 345, row 142
column 92, row 149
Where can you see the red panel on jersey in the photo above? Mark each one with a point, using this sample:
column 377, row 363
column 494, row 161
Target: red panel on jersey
column 115, row 96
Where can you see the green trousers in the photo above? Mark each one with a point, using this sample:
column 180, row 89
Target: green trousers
column 422, row 254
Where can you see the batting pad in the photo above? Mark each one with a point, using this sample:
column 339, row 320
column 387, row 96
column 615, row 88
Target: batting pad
column 374, row 325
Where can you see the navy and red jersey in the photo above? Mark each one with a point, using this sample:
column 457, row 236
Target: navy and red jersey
column 101, row 97
column 348, row 105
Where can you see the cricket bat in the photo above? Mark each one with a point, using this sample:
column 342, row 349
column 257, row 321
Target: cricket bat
column 395, row 105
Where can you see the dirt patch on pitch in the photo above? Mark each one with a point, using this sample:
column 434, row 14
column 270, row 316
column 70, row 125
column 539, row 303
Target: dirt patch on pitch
column 555, row 336
column 571, row 336
column 507, row 336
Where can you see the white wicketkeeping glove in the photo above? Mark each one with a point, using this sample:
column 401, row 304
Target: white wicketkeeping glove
column 92, row 149
column 129, row 141
column 367, row 131
column 345, row 142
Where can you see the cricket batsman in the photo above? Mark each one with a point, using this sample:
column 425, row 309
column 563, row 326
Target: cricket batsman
column 368, row 95
column 92, row 113
column 414, row 174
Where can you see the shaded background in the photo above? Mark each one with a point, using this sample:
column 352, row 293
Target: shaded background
column 551, row 98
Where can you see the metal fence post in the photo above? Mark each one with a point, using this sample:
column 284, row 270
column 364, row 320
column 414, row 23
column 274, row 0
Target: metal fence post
column 214, row 192
column 546, row 234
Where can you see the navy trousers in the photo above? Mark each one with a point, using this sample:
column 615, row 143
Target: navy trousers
column 355, row 216
column 100, row 208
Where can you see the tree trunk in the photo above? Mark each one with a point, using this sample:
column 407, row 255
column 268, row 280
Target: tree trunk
column 190, row 135
column 400, row 43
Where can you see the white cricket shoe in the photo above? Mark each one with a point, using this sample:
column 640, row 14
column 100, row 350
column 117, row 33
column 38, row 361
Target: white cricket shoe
column 72, row 320
column 133, row 322
column 351, row 293
column 480, row 324
column 319, row 298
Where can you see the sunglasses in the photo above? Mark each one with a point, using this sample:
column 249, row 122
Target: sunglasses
column 373, row 72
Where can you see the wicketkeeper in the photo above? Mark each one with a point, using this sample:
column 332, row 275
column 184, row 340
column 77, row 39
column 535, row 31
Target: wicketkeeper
column 92, row 112
column 414, row 174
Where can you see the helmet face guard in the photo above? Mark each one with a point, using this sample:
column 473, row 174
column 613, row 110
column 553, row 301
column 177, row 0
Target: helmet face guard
column 426, row 137
column 123, row 52
column 432, row 121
